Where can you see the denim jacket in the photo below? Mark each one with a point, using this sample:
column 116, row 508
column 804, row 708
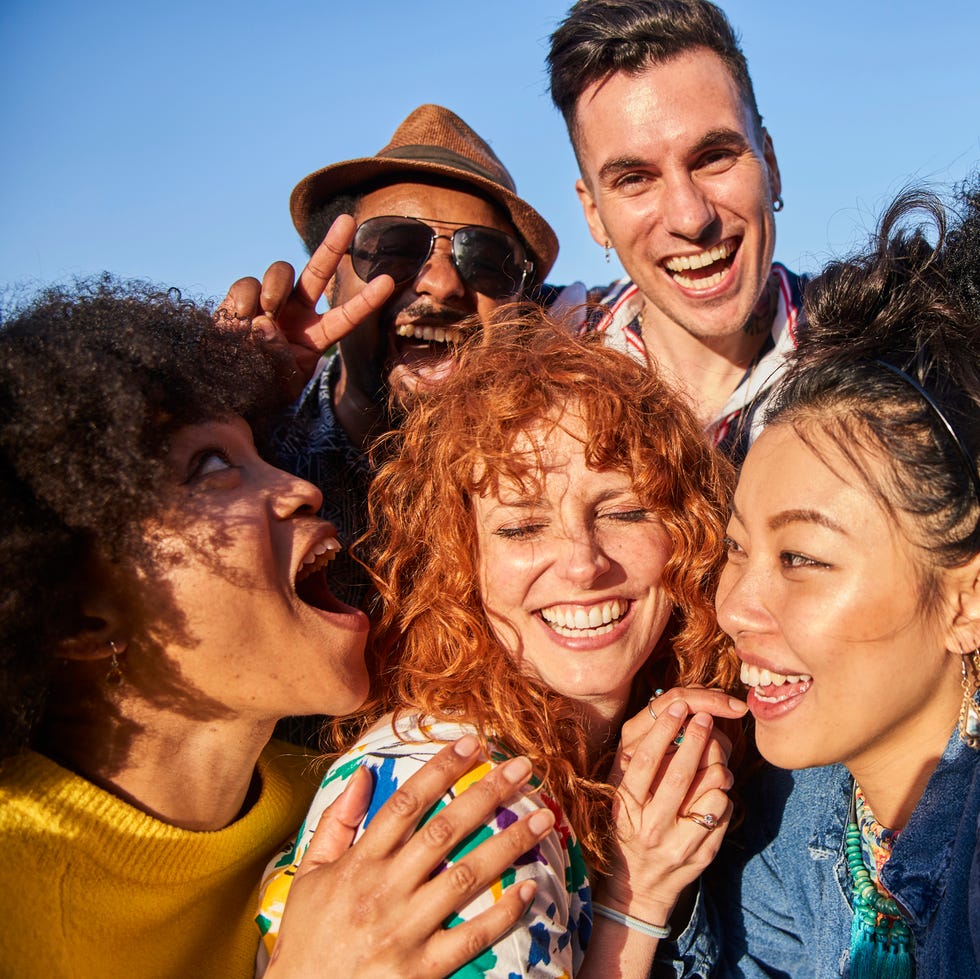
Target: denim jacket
column 778, row 903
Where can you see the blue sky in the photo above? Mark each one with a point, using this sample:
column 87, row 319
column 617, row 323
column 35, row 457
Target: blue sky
column 161, row 141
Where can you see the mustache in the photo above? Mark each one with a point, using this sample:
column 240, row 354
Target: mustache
column 433, row 315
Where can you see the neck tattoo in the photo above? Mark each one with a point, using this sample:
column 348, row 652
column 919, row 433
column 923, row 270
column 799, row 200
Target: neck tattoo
column 765, row 309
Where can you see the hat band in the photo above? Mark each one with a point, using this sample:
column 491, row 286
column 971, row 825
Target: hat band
column 443, row 157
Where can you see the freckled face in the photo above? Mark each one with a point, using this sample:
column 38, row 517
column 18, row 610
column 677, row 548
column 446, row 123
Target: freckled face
column 571, row 577
column 677, row 177
column 821, row 593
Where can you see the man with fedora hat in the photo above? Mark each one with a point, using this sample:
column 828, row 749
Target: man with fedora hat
column 435, row 210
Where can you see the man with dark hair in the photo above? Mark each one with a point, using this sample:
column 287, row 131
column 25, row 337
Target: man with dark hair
column 437, row 211
column 679, row 176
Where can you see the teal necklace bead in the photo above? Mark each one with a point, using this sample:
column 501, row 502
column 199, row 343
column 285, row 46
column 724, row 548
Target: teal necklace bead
column 881, row 942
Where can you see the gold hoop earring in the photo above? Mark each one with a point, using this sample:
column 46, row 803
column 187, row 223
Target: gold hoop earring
column 969, row 723
column 114, row 675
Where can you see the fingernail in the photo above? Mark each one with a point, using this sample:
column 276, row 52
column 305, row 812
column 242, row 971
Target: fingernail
column 737, row 704
column 677, row 709
column 516, row 770
column 541, row 821
column 526, row 891
column 466, row 746
column 702, row 720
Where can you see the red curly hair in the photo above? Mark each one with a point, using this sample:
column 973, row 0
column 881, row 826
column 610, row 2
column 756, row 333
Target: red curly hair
column 435, row 649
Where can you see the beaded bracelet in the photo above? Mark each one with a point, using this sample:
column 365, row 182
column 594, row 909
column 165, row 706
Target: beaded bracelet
column 644, row 927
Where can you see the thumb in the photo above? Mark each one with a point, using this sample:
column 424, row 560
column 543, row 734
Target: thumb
column 335, row 832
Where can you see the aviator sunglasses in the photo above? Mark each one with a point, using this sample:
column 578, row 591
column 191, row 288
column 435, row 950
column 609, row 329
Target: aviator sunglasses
column 488, row 261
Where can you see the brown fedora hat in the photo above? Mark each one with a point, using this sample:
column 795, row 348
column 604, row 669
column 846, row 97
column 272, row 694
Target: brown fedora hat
column 433, row 140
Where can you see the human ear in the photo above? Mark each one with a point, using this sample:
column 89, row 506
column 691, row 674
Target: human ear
column 963, row 631
column 103, row 628
column 772, row 165
column 591, row 212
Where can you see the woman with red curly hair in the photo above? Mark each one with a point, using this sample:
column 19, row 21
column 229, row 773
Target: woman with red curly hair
column 546, row 538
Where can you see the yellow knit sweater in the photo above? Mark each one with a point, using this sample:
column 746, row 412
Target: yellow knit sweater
column 93, row 887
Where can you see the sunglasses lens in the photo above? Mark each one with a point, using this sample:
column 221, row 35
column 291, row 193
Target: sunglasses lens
column 390, row 246
column 489, row 261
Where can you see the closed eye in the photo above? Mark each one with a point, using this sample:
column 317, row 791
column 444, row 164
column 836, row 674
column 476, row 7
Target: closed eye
column 628, row 516
column 520, row 532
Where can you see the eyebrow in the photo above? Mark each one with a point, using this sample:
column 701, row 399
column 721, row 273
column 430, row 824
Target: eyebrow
column 621, row 164
column 786, row 517
column 710, row 140
column 719, row 137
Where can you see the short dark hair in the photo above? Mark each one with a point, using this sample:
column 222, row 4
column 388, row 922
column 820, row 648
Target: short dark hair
column 916, row 306
column 95, row 378
column 601, row 37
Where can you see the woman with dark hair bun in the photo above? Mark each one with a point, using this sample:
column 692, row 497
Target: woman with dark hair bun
column 163, row 606
column 852, row 592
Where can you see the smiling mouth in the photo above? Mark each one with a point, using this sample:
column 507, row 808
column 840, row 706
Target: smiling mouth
column 704, row 270
column 771, row 687
column 576, row 621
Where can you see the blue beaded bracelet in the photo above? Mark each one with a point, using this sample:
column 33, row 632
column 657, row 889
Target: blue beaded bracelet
column 643, row 927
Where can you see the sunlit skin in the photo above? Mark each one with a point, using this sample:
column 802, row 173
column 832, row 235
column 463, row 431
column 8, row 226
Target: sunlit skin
column 672, row 166
column 581, row 544
column 253, row 644
column 375, row 358
column 821, row 582
column 227, row 636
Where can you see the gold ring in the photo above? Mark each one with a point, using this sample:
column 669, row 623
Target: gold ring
column 708, row 819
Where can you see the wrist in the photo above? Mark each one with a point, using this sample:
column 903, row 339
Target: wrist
column 648, row 928
column 650, row 908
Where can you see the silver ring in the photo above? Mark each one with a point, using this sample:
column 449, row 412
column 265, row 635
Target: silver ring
column 650, row 706
column 708, row 819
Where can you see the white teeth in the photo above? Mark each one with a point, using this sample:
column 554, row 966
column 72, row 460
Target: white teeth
column 572, row 620
column 681, row 263
column 319, row 555
column 435, row 334
column 754, row 676
column 699, row 284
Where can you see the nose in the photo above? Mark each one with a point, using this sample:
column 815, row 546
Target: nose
column 291, row 495
column 582, row 560
column 739, row 603
column 687, row 208
column 439, row 277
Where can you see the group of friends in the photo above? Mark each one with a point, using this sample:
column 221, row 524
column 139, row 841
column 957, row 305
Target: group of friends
column 521, row 557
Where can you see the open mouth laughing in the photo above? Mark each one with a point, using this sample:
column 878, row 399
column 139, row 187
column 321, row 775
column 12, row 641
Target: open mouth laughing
column 310, row 581
column 704, row 270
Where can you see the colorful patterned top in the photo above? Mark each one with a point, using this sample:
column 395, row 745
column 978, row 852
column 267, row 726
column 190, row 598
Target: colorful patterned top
column 550, row 939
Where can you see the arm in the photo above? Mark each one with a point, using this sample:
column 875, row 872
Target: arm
column 373, row 910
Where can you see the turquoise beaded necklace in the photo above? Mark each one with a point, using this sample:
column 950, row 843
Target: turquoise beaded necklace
column 881, row 942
